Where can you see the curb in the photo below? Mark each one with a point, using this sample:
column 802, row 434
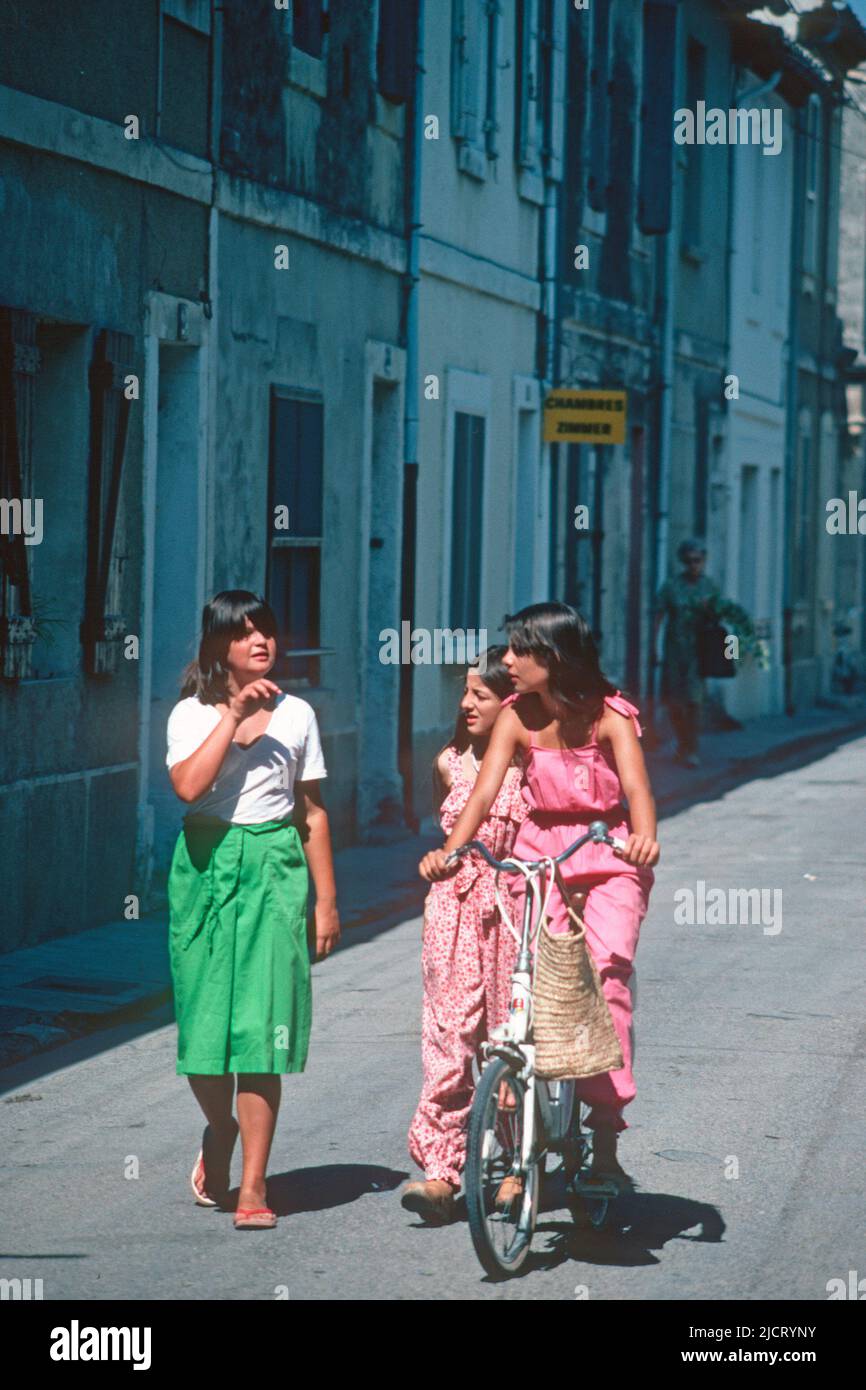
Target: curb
column 723, row 778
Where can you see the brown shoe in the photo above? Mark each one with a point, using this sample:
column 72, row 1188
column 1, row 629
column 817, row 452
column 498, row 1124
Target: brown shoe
column 433, row 1200
column 605, row 1167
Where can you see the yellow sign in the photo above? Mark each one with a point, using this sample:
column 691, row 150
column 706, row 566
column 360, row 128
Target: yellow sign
column 584, row 417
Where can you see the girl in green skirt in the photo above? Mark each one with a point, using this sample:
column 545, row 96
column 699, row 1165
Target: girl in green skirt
column 247, row 759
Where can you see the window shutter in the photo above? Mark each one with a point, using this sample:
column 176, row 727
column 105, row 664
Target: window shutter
column 472, row 97
column 466, row 37
column 492, row 9
column 19, row 363
column 308, row 26
column 102, row 631
column 599, row 105
column 394, row 51
column 657, row 116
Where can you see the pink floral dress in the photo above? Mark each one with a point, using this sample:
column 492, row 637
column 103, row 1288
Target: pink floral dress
column 466, row 960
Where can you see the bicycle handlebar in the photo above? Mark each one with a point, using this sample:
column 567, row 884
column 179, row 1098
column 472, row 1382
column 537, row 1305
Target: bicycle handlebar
column 597, row 832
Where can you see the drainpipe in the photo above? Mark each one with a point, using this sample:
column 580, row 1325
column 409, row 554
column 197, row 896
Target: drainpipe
column 547, row 365
column 211, row 293
column 667, row 269
column 410, row 422
column 791, row 393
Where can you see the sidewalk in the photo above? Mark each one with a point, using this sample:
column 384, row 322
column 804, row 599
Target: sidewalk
column 79, row 984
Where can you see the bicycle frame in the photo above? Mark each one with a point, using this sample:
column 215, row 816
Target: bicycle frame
column 512, row 1039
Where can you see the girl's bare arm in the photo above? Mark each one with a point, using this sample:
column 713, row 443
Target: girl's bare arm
column 508, row 735
column 311, row 819
column 642, row 846
column 197, row 773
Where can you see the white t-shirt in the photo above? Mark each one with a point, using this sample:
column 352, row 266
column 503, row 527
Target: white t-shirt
column 254, row 784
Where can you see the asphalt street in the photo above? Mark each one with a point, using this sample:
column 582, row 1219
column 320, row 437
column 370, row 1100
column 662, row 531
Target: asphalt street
column 746, row 1138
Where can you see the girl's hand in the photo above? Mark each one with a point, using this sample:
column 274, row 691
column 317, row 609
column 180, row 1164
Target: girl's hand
column 434, row 868
column 327, row 929
column 251, row 698
column 640, row 850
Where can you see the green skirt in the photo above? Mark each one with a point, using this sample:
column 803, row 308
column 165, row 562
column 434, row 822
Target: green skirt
column 238, row 945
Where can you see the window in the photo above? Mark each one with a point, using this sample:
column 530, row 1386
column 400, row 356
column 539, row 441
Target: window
column 104, row 626
column 599, row 109
column 295, row 534
column 658, row 86
column 474, row 82
column 702, row 461
column 395, row 49
column 583, row 547
column 534, row 87
column 309, row 25
column 60, row 480
column 183, row 114
column 696, row 79
column 19, row 364
column 467, row 520
column 810, row 201
column 802, row 513
column 759, row 236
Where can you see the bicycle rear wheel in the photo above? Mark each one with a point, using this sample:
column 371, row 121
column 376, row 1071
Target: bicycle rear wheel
column 501, row 1230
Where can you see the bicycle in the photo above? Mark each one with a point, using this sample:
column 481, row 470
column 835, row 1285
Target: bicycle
column 510, row 1144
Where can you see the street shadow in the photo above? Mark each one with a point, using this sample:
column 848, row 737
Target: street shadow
column 638, row 1225
column 330, row 1185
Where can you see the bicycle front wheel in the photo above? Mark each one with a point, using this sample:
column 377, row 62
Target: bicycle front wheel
column 501, row 1194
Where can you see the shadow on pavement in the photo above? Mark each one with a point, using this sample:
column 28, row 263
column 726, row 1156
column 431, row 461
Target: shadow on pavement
column 639, row 1224
column 330, row 1185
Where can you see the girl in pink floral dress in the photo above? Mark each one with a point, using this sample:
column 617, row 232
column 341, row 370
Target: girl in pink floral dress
column 467, row 955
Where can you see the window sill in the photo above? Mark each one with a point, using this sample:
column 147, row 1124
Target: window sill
column 307, row 73
column 595, row 222
column 530, row 186
column 390, row 117
column 472, row 161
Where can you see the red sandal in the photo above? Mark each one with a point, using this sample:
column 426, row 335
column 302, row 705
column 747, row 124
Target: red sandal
column 255, row 1219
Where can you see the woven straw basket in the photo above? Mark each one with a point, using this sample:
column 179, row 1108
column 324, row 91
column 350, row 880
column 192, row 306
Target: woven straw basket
column 572, row 1027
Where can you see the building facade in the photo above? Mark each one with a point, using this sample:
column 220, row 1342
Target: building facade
column 284, row 289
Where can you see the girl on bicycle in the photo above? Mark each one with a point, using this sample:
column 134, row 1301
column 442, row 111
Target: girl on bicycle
column 247, row 761
column 578, row 740
column 467, row 955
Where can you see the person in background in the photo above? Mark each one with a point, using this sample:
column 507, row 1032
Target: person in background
column 682, row 601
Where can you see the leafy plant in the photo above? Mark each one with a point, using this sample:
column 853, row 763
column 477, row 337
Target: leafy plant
column 44, row 621
column 735, row 618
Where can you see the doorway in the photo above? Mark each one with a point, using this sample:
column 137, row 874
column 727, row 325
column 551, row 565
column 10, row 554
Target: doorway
column 173, row 582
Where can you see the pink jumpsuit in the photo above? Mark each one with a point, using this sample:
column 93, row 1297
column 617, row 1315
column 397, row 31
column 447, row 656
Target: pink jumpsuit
column 566, row 789
column 467, row 958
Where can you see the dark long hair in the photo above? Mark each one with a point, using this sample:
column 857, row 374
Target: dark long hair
column 561, row 639
column 495, row 676
column 222, row 622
